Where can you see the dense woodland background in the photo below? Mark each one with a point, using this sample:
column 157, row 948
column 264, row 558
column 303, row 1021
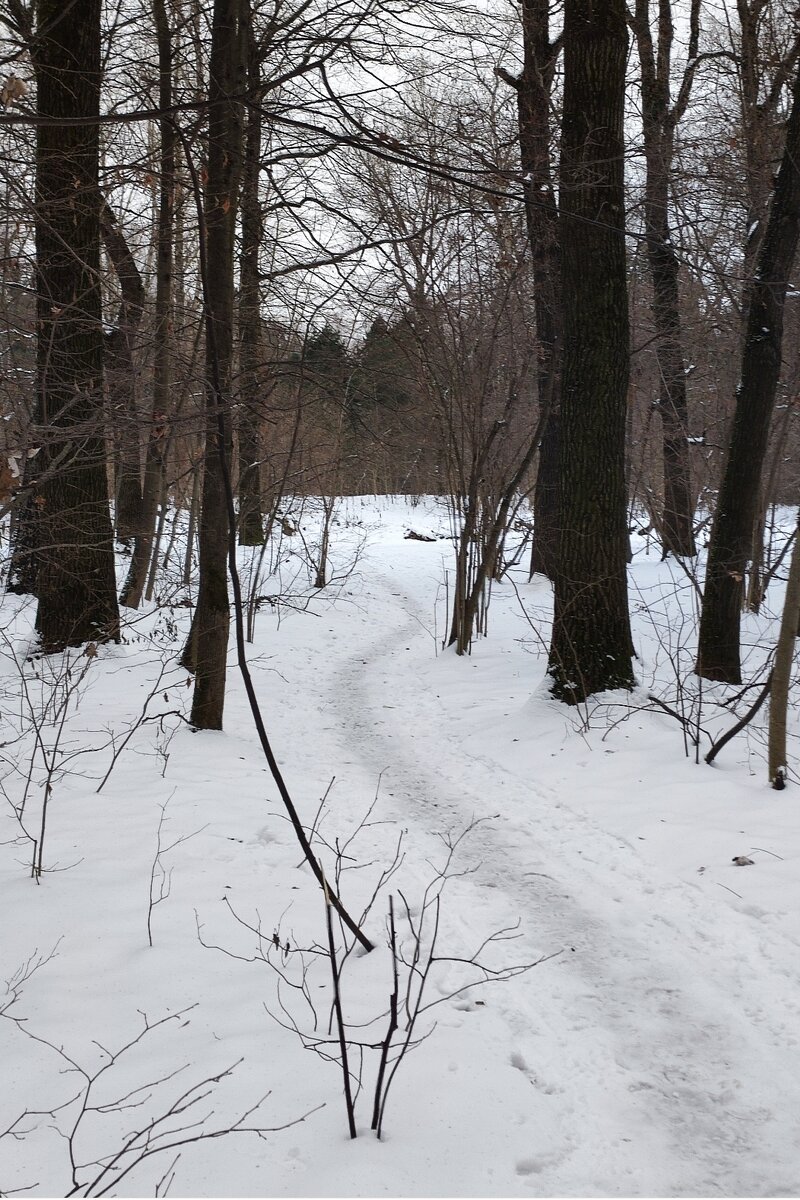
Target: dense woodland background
column 533, row 258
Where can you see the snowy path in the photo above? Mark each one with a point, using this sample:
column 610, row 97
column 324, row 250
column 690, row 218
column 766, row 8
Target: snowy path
column 654, row 1053
column 656, row 1063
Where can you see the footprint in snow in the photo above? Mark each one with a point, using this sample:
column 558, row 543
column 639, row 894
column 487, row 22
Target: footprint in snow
column 531, row 1166
column 518, row 1062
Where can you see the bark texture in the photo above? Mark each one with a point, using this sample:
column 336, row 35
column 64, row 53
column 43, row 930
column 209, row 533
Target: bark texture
column 73, row 535
column 591, row 648
column 718, row 655
column 211, row 624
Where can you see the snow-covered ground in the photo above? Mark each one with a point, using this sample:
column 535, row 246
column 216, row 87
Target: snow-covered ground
column 652, row 1051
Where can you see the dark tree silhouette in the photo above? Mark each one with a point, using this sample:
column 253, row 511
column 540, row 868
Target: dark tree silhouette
column 591, row 648
column 718, row 654
column 251, row 331
column 660, row 117
column 162, row 352
column 208, row 640
column 72, row 535
column 534, row 87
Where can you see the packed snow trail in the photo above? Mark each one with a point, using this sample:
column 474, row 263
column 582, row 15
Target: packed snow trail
column 650, row 1037
column 654, row 1052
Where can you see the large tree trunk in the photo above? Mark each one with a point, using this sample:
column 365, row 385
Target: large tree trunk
column 659, row 120
column 591, row 648
column 251, row 339
column 718, row 655
column 73, row 536
column 209, row 636
column 162, row 359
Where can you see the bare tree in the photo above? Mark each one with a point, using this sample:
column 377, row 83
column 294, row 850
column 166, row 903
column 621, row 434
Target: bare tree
column 718, row 655
column 251, row 334
column 781, row 674
column 121, row 353
column 660, row 118
column 208, row 640
column 70, row 512
column 591, row 647
column 534, row 86
column 163, row 333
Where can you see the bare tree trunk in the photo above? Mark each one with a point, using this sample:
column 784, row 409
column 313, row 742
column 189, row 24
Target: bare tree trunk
column 761, row 80
column 211, row 622
column 591, row 648
column 718, row 655
column 73, row 536
column 781, row 673
column 534, row 88
column 251, row 340
column 659, row 121
column 541, row 215
column 162, row 365
column 759, row 577
column 120, row 345
column 156, row 541
column 194, row 504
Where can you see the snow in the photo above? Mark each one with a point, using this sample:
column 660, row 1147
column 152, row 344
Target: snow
column 652, row 1051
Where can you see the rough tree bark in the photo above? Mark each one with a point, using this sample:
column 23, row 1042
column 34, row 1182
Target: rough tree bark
column 208, row 640
column 591, row 649
column 73, row 537
column 718, row 655
column 659, row 121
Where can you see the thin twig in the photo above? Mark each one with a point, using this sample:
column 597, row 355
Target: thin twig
column 740, row 724
column 392, row 1027
column 337, row 1003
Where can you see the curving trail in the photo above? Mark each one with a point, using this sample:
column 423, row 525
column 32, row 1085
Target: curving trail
column 661, row 1047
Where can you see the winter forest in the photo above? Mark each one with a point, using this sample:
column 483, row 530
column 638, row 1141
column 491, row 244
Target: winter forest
column 399, row 485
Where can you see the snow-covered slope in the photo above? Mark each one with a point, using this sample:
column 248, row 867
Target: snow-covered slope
column 653, row 1049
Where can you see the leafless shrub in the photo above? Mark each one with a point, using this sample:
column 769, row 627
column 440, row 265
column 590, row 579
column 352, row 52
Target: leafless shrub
column 140, row 1125
column 310, row 998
